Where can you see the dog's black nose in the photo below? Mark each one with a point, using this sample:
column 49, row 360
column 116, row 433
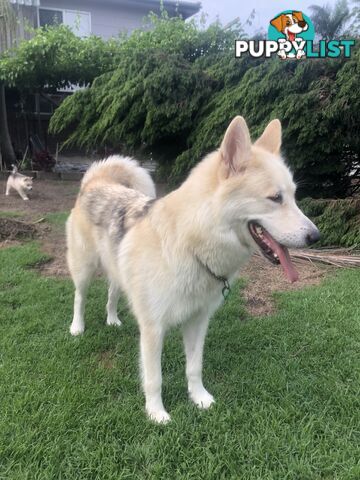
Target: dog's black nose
column 302, row 23
column 313, row 236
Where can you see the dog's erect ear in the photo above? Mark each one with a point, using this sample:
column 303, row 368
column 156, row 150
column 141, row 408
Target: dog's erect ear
column 278, row 22
column 270, row 140
column 236, row 146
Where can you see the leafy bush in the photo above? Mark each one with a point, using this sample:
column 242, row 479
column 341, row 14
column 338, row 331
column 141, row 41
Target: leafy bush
column 338, row 220
column 55, row 58
column 144, row 103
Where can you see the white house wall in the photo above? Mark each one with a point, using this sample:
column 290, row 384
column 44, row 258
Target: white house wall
column 106, row 20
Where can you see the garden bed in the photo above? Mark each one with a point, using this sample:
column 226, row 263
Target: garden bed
column 11, row 229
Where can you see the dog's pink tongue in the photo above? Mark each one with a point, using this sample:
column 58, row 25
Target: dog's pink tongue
column 284, row 257
column 291, row 36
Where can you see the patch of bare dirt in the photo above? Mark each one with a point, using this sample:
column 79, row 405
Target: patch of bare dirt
column 55, row 246
column 47, row 196
column 106, row 360
column 11, row 229
column 263, row 279
column 9, row 243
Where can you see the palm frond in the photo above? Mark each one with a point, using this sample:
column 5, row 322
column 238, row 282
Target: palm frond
column 329, row 22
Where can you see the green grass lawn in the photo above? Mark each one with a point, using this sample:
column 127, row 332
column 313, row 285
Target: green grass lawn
column 4, row 214
column 57, row 218
column 287, row 388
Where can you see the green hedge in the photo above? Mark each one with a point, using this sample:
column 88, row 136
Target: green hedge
column 337, row 220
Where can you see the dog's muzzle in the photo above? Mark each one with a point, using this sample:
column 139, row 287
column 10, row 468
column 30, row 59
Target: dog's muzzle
column 313, row 236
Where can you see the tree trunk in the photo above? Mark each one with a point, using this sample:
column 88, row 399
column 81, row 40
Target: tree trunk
column 7, row 151
column 38, row 115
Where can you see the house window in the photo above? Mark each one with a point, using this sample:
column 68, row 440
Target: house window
column 50, row 17
column 79, row 22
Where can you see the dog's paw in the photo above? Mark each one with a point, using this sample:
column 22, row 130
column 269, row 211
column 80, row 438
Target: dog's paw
column 159, row 416
column 203, row 399
column 76, row 329
column 300, row 54
column 26, row 199
column 113, row 321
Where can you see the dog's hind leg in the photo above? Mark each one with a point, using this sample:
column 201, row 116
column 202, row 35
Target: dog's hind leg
column 151, row 342
column 111, row 306
column 194, row 333
column 81, row 281
column 82, row 261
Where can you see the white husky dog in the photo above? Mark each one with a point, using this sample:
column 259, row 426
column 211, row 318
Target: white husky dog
column 175, row 257
column 21, row 183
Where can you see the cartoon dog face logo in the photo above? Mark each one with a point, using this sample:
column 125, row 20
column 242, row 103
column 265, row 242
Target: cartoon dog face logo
column 290, row 25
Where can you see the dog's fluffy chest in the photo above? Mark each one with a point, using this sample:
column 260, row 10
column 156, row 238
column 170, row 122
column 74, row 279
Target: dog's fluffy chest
column 198, row 288
column 177, row 284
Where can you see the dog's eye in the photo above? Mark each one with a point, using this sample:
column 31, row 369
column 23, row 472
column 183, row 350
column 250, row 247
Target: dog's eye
column 278, row 198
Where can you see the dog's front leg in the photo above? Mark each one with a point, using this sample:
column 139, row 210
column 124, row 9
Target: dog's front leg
column 151, row 342
column 8, row 188
column 281, row 52
column 300, row 54
column 194, row 333
column 23, row 195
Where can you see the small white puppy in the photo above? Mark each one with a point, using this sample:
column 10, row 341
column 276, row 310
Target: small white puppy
column 21, row 183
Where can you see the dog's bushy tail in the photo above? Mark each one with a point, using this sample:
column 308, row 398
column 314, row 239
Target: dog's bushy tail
column 14, row 169
column 121, row 170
